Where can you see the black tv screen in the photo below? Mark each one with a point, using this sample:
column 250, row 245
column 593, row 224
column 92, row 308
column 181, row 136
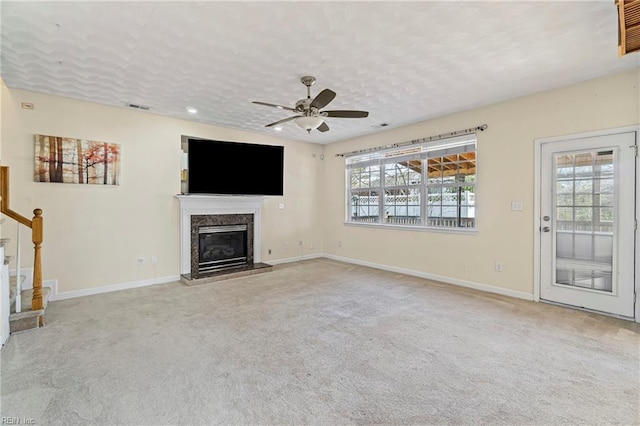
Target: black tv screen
column 232, row 168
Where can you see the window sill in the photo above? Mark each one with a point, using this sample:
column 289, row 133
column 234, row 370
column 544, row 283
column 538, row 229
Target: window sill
column 465, row 231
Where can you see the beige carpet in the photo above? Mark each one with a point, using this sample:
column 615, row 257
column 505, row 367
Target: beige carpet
column 321, row 342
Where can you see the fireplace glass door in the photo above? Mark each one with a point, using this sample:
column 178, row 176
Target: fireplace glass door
column 221, row 246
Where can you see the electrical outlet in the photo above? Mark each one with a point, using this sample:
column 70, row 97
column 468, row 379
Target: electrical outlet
column 499, row 266
column 339, row 243
column 300, row 243
column 269, row 251
column 141, row 261
column 311, row 246
column 154, row 260
column 286, row 245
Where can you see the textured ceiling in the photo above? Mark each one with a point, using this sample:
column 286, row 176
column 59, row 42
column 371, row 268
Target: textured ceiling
column 401, row 61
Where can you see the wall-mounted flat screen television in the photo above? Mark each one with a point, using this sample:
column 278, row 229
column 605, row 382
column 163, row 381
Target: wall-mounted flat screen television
column 233, row 168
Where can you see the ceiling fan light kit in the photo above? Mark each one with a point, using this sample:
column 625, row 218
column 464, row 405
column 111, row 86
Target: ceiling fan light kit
column 309, row 123
column 310, row 115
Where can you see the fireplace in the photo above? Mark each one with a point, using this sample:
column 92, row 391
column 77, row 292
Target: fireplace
column 221, row 247
column 219, row 237
column 220, row 241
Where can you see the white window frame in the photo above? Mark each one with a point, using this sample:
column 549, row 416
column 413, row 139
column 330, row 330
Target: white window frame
column 413, row 152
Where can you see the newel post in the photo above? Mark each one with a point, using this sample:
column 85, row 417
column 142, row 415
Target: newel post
column 36, row 236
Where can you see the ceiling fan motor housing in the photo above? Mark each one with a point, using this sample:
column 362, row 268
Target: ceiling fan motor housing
column 303, row 105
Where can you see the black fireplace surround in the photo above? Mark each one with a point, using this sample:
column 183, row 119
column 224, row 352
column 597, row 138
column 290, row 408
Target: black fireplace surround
column 219, row 242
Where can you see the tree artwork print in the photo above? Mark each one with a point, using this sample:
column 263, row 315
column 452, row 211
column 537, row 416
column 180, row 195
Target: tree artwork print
column 69, row 160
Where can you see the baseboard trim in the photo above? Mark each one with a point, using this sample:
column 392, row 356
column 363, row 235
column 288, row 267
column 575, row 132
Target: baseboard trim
column 434, row 277
column 294, row 259
column 53, row 285
column 115, row 287
column 163, row 280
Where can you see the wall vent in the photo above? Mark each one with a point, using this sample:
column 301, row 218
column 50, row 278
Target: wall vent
column 138, row 106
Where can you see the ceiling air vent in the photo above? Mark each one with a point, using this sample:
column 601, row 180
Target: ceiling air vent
column 137, row 106
column 628, row 26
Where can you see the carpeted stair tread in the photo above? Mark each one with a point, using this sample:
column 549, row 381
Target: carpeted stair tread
column 28, row 319
column 25, row 314
column 27, row 295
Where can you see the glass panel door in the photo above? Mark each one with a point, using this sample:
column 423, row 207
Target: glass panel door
column 587, row 227
column 584, row 213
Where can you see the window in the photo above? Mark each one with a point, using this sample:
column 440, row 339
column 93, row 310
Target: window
column 431, row 185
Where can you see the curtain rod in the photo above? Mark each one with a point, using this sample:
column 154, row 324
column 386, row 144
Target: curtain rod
column 480, row 128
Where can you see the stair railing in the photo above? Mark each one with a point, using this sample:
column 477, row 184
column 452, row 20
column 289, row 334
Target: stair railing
column 36, row 225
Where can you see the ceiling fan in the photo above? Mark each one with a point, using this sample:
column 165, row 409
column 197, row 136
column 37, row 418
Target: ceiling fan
column 310, row 117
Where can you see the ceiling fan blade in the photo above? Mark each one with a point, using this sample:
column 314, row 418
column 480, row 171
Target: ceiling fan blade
column 323, row 127
column 274, row 106
column 284, row 120
column 345, row 114
column 323, row 99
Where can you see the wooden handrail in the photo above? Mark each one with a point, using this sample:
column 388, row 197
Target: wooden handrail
column 4, row 203
column 36, row 225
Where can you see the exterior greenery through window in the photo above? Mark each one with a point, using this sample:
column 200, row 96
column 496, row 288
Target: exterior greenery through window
column 431, row 185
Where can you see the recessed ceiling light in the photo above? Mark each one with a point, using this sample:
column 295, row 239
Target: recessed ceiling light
column 192, row 110
column 277, row 128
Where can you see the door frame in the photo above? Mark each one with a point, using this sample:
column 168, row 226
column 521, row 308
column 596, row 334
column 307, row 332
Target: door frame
column 537, row 205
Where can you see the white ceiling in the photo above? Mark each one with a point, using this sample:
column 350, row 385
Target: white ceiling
column 403, row 62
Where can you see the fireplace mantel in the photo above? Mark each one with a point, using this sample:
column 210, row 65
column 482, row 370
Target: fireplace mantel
column 216, row 204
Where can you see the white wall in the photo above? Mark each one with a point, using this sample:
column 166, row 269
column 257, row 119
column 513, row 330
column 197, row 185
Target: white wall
column 505, row 174
column 93, row 234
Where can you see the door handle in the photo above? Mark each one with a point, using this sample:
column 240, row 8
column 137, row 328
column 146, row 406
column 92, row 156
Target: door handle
column 546, row 229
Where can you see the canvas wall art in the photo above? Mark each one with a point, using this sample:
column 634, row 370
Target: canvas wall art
column 69, row 160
